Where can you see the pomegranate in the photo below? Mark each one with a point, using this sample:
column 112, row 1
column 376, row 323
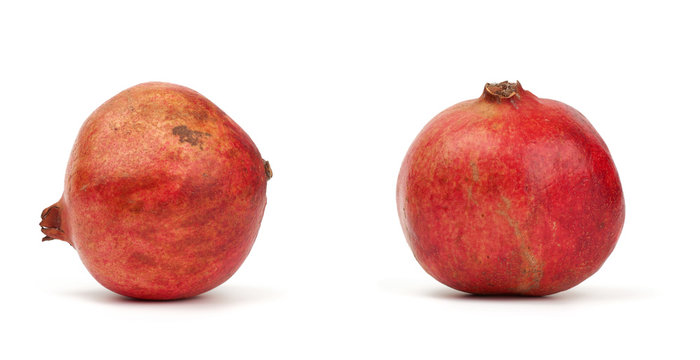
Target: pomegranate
column 510, row 194
column 164, row 194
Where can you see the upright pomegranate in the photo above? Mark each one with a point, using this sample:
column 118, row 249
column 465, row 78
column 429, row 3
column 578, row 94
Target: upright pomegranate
column 164, row 194
column 510, row 194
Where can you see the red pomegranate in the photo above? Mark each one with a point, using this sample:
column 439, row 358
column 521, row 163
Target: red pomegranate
column 510, row 194
column 164, row 194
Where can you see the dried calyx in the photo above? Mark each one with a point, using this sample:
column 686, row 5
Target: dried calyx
column 502, row 90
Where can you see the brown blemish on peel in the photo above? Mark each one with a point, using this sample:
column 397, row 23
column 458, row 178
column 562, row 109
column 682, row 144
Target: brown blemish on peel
column 192, row 137
column 138, row 258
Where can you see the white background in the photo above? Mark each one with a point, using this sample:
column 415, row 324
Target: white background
column 333, row 94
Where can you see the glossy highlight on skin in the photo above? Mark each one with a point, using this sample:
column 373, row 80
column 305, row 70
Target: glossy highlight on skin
column 164, row 194
column 510, row 194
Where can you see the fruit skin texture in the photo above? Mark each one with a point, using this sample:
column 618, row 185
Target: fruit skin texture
column 164, row 194
column 510, row 194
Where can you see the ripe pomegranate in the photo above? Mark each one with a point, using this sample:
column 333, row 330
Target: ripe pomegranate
column 510, row 194
column 164, row 194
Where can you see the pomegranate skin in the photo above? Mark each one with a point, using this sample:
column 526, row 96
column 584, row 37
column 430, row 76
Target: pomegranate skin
column 164, row 194
column 509, row 194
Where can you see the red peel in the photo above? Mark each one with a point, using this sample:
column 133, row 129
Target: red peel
column 510, row 194
column 164, row 194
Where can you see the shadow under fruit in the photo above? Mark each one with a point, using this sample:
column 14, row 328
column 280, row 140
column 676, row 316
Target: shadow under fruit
column 164, row 194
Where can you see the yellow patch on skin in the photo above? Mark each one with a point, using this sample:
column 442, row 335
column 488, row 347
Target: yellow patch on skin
column 471, row 181
column 478, row 111
column 532, row 268
column 485, row 110
column 475, row 171
column 470, row 195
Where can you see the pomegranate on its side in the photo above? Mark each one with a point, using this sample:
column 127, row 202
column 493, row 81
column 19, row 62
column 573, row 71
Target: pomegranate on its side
column 510, row 194
column 164, row 194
